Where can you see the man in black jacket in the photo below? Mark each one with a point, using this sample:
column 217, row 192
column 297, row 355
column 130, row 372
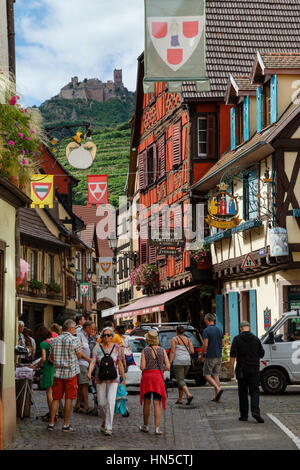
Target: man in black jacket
column 247, row 350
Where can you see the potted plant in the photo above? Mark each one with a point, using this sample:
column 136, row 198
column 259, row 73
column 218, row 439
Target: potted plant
column 201, row 254
column 35, row 286
column 53, row 288
column 20, row 137
column 224, row 373
column 144, row 275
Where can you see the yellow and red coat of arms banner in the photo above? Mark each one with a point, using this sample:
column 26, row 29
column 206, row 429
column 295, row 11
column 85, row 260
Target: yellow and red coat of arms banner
column 105, row 267
column 42, row 191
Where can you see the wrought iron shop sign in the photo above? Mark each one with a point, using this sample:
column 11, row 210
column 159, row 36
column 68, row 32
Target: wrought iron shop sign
column 222, row 209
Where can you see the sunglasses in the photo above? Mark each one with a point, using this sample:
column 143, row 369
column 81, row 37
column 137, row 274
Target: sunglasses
column 103, row 336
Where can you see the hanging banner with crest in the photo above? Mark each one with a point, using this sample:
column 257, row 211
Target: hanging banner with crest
column 84, row 288
column 97, row 190
column 42, row 191
column 105, row 267
column 175, row 44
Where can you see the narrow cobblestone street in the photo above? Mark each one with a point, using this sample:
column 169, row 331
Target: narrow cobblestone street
column 204, row 425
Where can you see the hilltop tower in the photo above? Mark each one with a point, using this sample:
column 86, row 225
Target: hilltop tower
column 118, row 80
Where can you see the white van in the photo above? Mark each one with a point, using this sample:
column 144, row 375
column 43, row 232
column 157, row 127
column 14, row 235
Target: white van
column 281, row 364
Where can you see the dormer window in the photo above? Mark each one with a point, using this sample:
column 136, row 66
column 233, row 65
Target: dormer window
column 240, row 123
column 266, row 103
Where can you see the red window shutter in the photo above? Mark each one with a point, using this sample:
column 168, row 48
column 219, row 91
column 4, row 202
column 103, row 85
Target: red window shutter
column 211, row 136
column 141, row 170
column 155, row 164
column 176, row 143
column 143, row 253
column 161, row 157
column 152, row 254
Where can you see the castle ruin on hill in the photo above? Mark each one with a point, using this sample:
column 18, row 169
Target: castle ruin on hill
column 94, row 89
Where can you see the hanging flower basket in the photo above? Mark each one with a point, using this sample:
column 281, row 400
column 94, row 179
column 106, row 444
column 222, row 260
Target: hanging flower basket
column 20, row 137
column 144, row 275
column 200, row 255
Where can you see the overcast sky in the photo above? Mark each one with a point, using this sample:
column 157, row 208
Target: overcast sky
column 59, row 39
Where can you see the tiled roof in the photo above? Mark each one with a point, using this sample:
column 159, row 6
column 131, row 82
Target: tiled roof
column 32, row 226
column 281, row 60
column 236, row 30
column 243, row 82
column 87, row 235
column 265, row 137
column 88, row 215
column 239, row 85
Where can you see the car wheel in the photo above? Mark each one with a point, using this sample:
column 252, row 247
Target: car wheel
column 200, row 381
column 273, row 381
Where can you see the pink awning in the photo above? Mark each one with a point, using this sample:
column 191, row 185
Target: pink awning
column 151, row 304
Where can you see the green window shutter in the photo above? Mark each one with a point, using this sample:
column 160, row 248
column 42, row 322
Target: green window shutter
column 246, row 118
column 259, row 108
column 233, row 128
column 273, row 93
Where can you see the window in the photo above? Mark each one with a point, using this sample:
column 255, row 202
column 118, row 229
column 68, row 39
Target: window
column 50, row 268
column 251, row 190
column 240, row 123
column 33, row 265
column 206, row 139
column 202, row 136
column 78, row 261
column 267, row 104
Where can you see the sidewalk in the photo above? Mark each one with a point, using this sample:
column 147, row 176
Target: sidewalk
column 204, row 425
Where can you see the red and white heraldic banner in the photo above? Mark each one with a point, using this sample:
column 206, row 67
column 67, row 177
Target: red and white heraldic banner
column 97, row 190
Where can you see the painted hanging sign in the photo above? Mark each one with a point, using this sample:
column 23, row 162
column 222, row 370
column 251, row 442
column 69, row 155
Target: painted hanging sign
column 222, row 209
column 42, row 191
column 97, row 190
column 84, row 288
column 267, row 319
column 81, row 155
column 279, row 245
column 175, row 44
column 105, row 265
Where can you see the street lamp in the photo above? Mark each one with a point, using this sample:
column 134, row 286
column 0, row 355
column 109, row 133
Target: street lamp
column 89, row 274
column 113, row 244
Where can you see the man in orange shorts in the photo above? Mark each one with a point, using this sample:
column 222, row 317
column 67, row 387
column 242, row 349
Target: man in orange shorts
column 65, row 353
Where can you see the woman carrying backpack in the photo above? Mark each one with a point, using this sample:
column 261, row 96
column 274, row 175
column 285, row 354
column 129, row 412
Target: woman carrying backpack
column 108, row 357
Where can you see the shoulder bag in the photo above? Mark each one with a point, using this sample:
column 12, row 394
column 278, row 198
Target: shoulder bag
column 194, row 357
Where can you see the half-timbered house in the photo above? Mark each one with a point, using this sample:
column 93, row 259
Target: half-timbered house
column 257, row 262
column 180, row 137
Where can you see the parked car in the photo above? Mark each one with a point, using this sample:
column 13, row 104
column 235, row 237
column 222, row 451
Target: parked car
column 281, row 364
column 134, row 373
column 167, row 331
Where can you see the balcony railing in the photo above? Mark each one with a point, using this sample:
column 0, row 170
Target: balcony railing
column 39, row 293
